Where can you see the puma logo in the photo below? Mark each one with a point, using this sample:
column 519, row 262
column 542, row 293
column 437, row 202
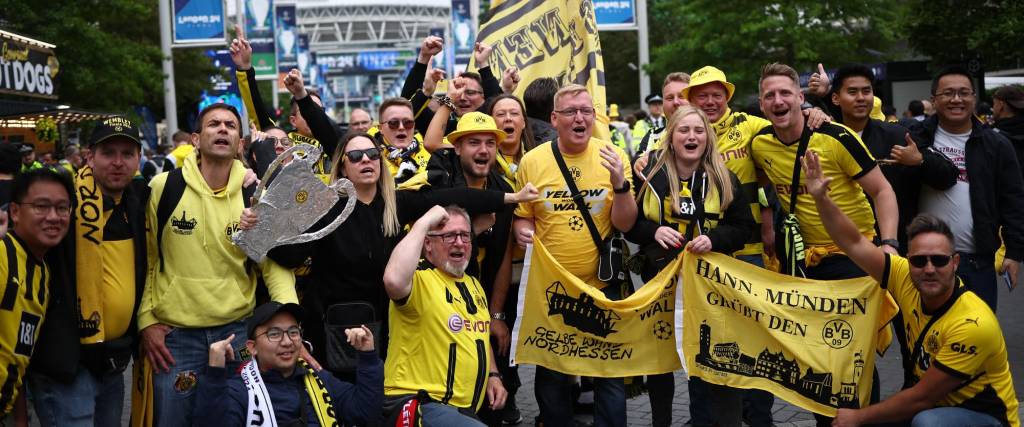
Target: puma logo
column 974, row 321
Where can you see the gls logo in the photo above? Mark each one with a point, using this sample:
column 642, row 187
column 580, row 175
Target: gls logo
column 964, row 348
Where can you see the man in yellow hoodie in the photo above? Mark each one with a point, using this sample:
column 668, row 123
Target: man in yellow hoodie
column 200, row 287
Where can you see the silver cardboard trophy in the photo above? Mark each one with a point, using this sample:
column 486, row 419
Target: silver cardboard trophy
column 292, row 203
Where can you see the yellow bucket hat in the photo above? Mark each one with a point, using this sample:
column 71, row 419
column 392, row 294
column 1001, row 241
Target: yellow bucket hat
column 705, row 75
column 476, row 122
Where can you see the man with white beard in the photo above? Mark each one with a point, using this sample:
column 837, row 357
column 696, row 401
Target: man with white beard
column 439, row 365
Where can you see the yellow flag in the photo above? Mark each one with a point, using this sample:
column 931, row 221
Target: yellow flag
column 569, row 326
column 552, row 38
column 809, row 342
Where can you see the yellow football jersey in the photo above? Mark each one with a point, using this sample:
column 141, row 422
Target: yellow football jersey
column 440, row 340
column 844, row 158
column 22, row 310
column 965, row 342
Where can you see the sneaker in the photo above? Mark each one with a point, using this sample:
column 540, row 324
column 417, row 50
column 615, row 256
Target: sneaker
column 511, row 417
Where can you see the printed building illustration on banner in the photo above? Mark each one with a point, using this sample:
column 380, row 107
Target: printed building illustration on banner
column 581, row 312
column 776, row 366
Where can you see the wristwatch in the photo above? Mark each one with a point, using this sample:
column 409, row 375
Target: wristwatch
column 895, row 244
column 498, row 316
column 494, row 374
column 624, row 189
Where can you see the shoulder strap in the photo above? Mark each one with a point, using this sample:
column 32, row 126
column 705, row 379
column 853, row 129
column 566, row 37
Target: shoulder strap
column 11, row 286
column 174, row 188
column 916, row 351
column 577, row 196
column 805, row 139
column 698, row 187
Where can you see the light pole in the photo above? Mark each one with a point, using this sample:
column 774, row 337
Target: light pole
column 170, row 106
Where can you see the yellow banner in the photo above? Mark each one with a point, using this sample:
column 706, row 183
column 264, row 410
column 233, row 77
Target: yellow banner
column 571, row 327
column 809, row 342
column 548, row 38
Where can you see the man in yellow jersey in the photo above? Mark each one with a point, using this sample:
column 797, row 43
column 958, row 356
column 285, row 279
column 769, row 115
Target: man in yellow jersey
column 200, row 286
column 77, row 376
column 40, row 210
column 602, row 174
column 961, row 373
column 845, row 159
column 439, row 364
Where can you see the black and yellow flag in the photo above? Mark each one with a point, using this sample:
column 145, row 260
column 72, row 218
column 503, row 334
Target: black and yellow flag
column 548, row 38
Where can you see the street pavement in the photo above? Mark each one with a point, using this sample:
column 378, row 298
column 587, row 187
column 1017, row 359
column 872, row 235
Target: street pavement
column 1011, row 319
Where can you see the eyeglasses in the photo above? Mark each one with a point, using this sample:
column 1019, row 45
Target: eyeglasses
column 449, row 238
column 406, row 123
column 357, row 155
column 949, row 94
column 920, row 261
column 284, row 141
column 42, row 208
column 571, row 112
column 472, row 92
column 276, row 334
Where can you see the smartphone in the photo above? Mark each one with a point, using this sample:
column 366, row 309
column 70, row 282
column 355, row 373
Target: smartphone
column 1006, row 279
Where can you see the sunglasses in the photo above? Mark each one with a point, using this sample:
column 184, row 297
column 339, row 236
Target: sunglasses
column 357, row 155
column 920, row 261
column 406, row 123
column 284, row 141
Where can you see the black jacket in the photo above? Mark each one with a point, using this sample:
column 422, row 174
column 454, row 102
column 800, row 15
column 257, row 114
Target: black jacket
column 58, row 351
column 444, row 170
column 997, row 188
column 937, row 171
column 730, row 235
column 1013, row 129
column 414, row 82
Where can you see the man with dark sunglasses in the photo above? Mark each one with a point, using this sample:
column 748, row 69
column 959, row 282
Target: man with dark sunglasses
column 406, row 154
column 959, row 374
column 298, row 395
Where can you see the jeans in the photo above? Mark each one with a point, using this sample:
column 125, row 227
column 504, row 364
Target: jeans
column 174, row 392
column 441, row 415
column 953, row 417
column 553, row 391
column 87, row 401
column 979, row 275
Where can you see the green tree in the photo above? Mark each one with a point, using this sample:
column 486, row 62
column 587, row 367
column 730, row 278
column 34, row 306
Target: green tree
column 740, row 36
column 952, row 31
column 109, row 52
column 618, row 49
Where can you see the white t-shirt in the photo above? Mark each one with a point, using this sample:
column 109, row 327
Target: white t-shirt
column 953, row 205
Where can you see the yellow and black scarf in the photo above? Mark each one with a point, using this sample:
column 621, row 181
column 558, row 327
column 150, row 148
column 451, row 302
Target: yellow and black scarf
column 89, row 223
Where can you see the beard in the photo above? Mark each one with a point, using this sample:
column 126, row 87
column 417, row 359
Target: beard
column 453, row 269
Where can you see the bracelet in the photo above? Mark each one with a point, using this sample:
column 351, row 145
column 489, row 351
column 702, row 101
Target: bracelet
column 895, row 244
column 624, row 189
column 447, row 102
column 494, row 374
column 498, row 316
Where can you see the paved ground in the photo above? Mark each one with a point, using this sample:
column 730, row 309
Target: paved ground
column 1011, row 318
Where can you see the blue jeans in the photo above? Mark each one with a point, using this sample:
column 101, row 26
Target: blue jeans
column 553, row 391
column 953, row 417
column 979, row 275
column 436, row 414
column 87, row 401
column 174, row 392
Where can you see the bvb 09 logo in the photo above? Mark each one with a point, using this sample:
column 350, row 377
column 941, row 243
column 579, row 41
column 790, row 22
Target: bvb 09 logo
column 301, row 196
column 837, row 333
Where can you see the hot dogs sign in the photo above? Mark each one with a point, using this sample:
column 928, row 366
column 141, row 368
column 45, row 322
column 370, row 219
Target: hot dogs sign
column 27, row 67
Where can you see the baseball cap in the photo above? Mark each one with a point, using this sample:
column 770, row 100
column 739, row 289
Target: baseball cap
column 709, row 74
column 476, row 122
column 114, row 127
column 266, row 311
column 1012, row 95
column 653, row 99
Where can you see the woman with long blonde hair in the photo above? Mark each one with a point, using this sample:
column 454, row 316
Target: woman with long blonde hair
column 689, row 200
